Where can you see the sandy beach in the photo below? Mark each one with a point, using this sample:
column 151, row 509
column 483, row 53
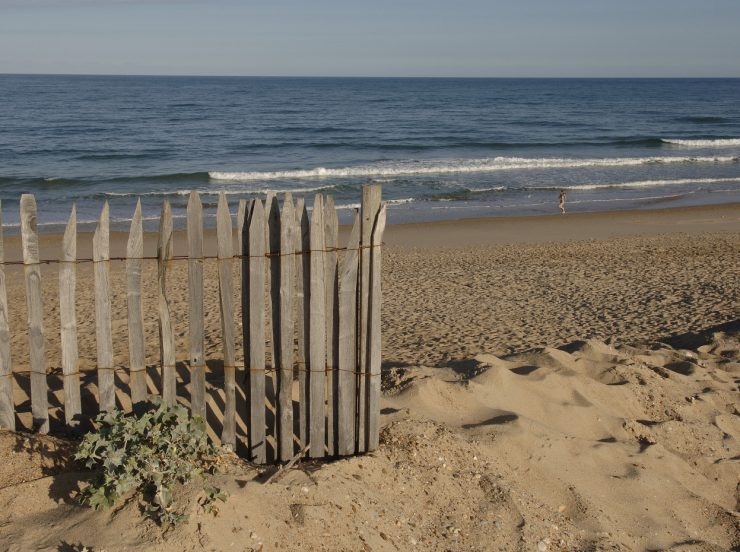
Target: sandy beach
column 550, row 383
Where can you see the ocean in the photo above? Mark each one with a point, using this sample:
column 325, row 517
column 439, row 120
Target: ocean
column 441, row 148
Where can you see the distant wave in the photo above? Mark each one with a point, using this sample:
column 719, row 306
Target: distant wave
column 714, row 143
column 243, row 192
column 460, row 166
column 639, row 184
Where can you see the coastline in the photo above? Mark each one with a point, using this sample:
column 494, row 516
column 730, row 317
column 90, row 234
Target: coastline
column 464, row 231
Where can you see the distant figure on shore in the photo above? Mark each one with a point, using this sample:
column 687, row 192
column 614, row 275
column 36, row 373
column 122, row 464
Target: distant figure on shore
column 561, row 202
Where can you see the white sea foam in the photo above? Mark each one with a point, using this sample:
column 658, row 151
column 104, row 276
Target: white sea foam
column 463, row 166
column 641, row 184
column 212, row 192
column 716, row 143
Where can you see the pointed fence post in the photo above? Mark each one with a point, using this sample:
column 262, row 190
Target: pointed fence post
column 32, row 270
column 347, row 368
column 68, row 322
column 136, row 351
column 103, row 331
column 287, row 292
column 165, row 250
column 195, row 303
column 374, row 339
column 225, row 237
column 255, row 354
column 7, row 408
column 331, row 241
column 302, row 298
column 317, row 333
column 369, row 214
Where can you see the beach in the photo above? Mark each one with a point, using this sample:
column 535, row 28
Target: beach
column 550, row 383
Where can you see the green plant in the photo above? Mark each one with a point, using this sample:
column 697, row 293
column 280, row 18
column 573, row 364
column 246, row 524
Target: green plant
column 150, row 454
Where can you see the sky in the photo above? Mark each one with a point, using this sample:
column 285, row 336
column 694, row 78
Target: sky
column 461, row 38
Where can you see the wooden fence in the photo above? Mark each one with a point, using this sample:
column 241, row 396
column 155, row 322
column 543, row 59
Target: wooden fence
column 313, row 304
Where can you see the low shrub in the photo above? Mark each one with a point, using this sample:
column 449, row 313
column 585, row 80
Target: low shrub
column 148, row 454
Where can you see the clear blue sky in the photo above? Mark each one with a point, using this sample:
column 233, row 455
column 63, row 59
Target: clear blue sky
column 487, row 38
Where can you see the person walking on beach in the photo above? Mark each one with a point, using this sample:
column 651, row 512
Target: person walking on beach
column 561, row 201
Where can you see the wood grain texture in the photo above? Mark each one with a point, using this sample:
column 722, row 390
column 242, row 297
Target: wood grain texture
column 196, row 326
column 317, row 333
column 369, row 213
column 256, row 360
column 68, row 321
column 7, row 409
column 103, row 330
column 331, row 241
column 136, row 346
column 347, row 367
column 287, row 293
column 165, row 250
column 32, row 272
column 374, row 337
column 302, row 297
column 224, row 236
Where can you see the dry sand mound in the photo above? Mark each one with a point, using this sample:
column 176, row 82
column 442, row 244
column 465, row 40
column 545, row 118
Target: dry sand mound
column 584, row 447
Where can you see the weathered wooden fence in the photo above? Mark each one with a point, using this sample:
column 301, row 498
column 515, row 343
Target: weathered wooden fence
column 313, row 304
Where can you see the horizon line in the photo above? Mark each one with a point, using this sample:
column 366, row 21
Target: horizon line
column 478, row 77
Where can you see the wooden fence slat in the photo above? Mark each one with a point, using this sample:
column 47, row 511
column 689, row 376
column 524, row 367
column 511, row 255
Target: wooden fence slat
column 165, row 250
column 317, row 333
column 196, row 329
column 370, row 208
column 32, row 270
column 287, row 291
column 255, row 363
column 272, row 281
column 374, row 338
column 241, row 216
column 136, row 347
column 303, row 294
column 68, row 322
column 331, row 238
column 7, row 408
column 103, row 330
column 224, row 235
column 347, row 368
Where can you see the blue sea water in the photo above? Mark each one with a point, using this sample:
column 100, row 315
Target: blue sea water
column 442, row 148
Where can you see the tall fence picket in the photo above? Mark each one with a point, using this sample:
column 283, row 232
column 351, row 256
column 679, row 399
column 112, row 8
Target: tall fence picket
column 317, row 333
column 136, row 347
column 224, row 236
column 287, row 292
column 7, row 408
column 369, row 213
column 331, row 241
column 347, row 368
column 165, row 252
column 255, row 362
column 103, row 330
column 196, row 330
column 32, row 272
column 374, row 341
column 68, row 322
